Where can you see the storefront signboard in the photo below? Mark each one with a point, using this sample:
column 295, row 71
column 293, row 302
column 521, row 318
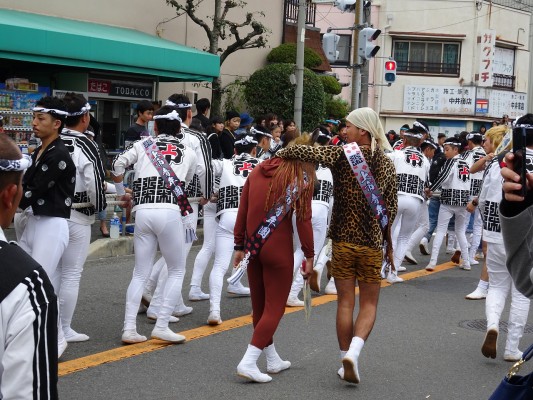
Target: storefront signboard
column 425, row 99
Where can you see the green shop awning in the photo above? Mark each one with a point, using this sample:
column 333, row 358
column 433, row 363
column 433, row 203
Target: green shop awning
column 60, row 41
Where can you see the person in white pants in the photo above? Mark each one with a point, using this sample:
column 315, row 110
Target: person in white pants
column 233, row 174
column 89, row 189
column 500, row 281
column 412, row 170
column 48, row 193
column 158, row 220
column 454, row 182
column 201, row 183
column 428, row 149
column 320, row 205
column 474, row 154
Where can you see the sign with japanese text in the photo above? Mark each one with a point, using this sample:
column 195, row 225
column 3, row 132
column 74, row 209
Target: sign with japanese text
column 459, row 100
column 486, row 57
column 119, row 89
column 502, row 102
column 482, row 106
column 99, row 86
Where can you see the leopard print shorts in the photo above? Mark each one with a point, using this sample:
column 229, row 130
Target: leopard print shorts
column 362, row 262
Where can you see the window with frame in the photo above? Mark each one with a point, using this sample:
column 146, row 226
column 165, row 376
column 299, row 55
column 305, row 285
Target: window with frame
column 344, row 48
column 427, row 58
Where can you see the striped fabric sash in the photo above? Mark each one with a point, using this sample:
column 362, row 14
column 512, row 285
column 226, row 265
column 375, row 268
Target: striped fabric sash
column 267, row 226
column 368, row 184
column 174, row 184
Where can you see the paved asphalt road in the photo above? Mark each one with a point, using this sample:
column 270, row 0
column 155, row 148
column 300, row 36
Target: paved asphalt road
column 419, row 348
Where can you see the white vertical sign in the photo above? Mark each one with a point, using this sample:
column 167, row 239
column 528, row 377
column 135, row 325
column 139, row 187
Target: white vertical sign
column 486, row 57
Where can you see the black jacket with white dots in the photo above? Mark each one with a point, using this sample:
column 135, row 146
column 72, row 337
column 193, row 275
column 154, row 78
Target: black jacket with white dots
column 48, row 185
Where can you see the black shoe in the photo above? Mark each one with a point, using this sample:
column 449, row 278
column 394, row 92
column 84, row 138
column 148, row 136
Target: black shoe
column 106, row 235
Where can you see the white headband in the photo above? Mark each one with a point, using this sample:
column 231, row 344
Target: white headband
column 527, row 126
column 180, row 105
column 254, row 131
column 458, row 144
column 50, row 111
column 84, row 109
column 245, row 141
column 174, row 116
column 472, row 135
column 413, row 134
column 416, row 123
column 430, row 143
column 15, row 165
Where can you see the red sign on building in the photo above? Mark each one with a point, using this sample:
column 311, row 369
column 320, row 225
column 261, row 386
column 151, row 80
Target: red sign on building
column 99, row 86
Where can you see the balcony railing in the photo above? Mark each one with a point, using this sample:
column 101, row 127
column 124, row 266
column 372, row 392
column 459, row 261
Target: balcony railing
column 504, row 81
column 428, row 68
column 291, row 12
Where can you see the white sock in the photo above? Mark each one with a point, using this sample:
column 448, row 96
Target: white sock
column 356, row 345
column 343, row 354
column 483, row 285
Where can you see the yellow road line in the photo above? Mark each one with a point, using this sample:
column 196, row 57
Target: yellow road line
column 120, row 353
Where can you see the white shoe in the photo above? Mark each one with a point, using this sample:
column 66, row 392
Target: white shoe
column 488, row 349
column 424, row 248
column 473, row 261
column 430, row 267
column 131, row 337
column 294, row 302
column 185, row 310
column 340, row 372
column 351, row 370
column 314, row 280
column 71, row 336
column 214, row 318
column 196, row 294
column 146, row 298
column 61, row 347
column 274, row 362
column 409, row 258
column 153, row 318
column 465, row 266
column 478, row 294
column 479, row 255
column 512, row 356
column 393, row 278
column 330, row 287
column 450, row 250
column 247, row 368
column 238, row 289
column 401, row 269
column 167, row 335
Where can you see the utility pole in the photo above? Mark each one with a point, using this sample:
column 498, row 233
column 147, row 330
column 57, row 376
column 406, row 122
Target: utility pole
column 356, row 74
column 300, row 46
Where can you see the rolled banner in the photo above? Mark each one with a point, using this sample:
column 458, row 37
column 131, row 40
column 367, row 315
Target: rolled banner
column 239, row 271
column 190, row 231
column 307, row 300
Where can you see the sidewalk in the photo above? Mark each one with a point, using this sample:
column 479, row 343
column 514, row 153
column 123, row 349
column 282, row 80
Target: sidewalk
column 105, row 247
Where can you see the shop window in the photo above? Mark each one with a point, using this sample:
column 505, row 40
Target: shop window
column 427, row 58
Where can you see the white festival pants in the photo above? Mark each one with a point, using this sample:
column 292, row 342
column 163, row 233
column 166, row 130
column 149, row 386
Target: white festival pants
column 404, row 225
column 423, row 227
column 500, row 283
column 224, row 244
column 476, row 233
column 461, row 218
column 319, row 222
column 208, row 246
column 155, row 226
column 68, row 273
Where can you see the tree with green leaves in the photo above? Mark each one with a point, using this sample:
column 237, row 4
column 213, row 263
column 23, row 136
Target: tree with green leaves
column 218, row 27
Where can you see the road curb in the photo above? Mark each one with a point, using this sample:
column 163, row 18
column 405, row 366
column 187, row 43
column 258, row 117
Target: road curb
column 123, row 246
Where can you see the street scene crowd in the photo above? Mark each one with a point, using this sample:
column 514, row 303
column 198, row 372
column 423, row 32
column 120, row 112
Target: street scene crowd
column 284, row 207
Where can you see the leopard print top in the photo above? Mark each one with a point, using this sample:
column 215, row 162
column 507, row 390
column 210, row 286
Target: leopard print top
column 352, row 220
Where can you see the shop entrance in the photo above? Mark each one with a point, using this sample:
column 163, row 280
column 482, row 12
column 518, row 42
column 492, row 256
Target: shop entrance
column 115, row 117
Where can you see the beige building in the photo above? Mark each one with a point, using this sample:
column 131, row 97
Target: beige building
column 79, row 46
column 460, row 64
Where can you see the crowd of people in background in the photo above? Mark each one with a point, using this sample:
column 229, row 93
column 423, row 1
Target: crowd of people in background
column 256, row 177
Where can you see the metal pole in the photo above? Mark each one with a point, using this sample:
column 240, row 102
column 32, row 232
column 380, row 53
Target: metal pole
column 356, row 74
column 300, row 45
